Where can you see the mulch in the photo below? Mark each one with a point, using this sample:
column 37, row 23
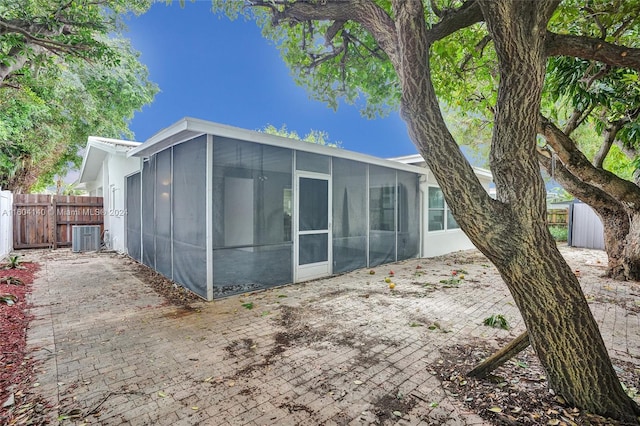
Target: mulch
column 172, row 293
column 18, row 405
column 517, row 393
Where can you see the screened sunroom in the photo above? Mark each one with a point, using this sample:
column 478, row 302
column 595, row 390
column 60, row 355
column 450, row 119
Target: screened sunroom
column 222, row 210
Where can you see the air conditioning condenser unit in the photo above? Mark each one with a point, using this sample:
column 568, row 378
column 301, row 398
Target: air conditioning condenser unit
column 85, row 238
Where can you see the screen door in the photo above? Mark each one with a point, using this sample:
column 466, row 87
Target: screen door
column 313, row 236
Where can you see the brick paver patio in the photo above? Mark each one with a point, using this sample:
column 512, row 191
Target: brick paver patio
column 342, row 350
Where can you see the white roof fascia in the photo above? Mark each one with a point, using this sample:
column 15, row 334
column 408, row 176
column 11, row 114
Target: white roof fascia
column 107, row 145
column 483, row 173
column 188, row 128
column 408, row 159
column 119, row 142
column 417, row 158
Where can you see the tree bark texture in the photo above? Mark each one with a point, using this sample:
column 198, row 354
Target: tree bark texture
column 512, row 230
column 631, row 253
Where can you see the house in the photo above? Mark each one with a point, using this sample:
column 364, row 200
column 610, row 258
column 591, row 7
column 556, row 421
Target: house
column 223, row 210
column 443, row 235
column 104, row 165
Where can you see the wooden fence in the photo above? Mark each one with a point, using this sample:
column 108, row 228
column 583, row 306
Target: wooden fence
column 45, row 221
column 558, row 217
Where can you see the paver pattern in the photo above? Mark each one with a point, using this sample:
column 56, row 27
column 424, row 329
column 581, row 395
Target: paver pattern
column 344, row 350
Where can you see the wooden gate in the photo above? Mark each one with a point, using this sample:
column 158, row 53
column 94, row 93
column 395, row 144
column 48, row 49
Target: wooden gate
column 45, row 221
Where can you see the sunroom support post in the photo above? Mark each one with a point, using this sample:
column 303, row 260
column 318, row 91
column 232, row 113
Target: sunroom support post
column 209, row 216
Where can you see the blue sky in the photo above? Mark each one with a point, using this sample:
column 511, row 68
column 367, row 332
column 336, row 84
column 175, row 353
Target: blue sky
column 220, row 70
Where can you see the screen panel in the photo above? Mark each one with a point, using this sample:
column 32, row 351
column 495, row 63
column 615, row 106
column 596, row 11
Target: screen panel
column 163, row 260
column 148, row 212
column 252, row 208
column 133, row 209
column 189, row 215
column 349, row 215
column 382, row 215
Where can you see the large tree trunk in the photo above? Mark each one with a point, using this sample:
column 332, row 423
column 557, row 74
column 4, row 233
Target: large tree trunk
column 621, row 228
column 511, row 231
column 631, row 252
column 562, row 329
column 616, row 230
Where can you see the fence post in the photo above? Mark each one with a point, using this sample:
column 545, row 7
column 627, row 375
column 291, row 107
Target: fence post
column 53, row 222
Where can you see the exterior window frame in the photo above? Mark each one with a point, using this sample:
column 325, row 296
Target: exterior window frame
column 446, row 213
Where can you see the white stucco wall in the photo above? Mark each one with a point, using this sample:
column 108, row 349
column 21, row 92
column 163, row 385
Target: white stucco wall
column 114, row 198
column 94, row 189
column 437, row 243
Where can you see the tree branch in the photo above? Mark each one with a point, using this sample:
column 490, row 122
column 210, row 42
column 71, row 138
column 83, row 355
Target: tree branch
column 371, row 16
column 601, row 73
column 19, row 61
column 577, row 118
column 435, row 9
column 592, row 48
column 468, row 14
column 479, row 47
column 428, row 131
column 332, row 31
column 38, row 40
column 609, row 137
column 365, row 12
column 585, row 192
column 594, row 14
column 574, row 160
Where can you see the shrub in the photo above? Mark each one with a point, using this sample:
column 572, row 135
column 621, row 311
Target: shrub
column 559, row 233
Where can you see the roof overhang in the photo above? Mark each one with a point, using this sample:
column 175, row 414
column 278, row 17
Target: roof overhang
column 97, row 150
column 189, row 128
column 417, row 160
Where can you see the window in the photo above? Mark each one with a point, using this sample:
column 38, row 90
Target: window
column 440, row 217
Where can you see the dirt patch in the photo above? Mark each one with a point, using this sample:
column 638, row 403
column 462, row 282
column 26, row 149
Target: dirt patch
column 292, row 408
column 181, row 312
column 517, row 393
column 173, row 293
column 243, row 347
column 296, row 333
column 390, row 408
column 18, row 404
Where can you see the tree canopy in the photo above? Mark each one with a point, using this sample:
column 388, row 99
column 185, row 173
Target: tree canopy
column 65, row 73
column 319, row 137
